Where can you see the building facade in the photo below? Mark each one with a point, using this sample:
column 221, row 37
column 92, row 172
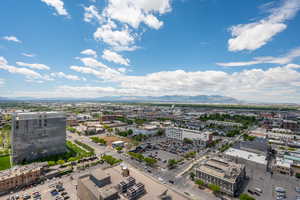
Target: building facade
column 37, row 134
column 199, row 138
column 19, row 176
column 229, row 176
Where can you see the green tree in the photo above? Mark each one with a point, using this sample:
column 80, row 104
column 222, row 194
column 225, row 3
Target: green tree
column 214, row 188
column 187, row 141
column 130, row 132
column 137, row 156
column 199, row 182
column 160, row 132
column 60, row 162
column 119, row 148
column 51, row 163
column 192, row 175
column 72, row 159
column 246, row 197
column 172, row 163
column 150, row 161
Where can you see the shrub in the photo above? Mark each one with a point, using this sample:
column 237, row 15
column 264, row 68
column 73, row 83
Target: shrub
column 246, row 197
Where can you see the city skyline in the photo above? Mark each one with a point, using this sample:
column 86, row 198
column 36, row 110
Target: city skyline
column 60, row 49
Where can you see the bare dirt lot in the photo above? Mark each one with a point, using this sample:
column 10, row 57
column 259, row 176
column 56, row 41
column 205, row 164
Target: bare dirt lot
column 111, row 139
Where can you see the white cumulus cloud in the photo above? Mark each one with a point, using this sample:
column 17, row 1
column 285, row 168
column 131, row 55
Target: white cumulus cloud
column 28, row 55
column 89, row 52
column 91, row 13
column 285, row 59
column 66, row 76
column 115, row 57
column 34, row 65
column 133, row 12
column 255, row 35
column 12, row 38
column 58, row 5
column 116, row 38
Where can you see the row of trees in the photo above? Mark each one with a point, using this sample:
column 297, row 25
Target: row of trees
column 148, row 160
column 216, row 189
column 247, row 137
column 99, row 140
column 74, row 153
column 85, row 146
column 245, row 120
column 110, row 159
column 124, row 133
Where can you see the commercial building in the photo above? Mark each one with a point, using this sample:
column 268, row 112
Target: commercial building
column 146, row 130
column 20, row 176
column 223, row 123
column 199, row 138
column 290, row 124
column 282, row 166
column 240, row 156
column 96, row 186
column 258, row 146
column 37, row 134
column 229, row 176
column 118, row 144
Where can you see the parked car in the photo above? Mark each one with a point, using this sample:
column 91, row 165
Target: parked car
column 280, row 189
column 26, row 196
column 64, row 193
column 258, row 190
column 54, row 192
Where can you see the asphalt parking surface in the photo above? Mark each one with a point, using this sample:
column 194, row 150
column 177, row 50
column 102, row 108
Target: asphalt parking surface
column 263, row 180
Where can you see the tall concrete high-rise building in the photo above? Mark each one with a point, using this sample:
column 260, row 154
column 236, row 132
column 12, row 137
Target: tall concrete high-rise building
column 37, row 134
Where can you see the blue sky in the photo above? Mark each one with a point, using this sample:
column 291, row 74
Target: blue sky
column 246, row 49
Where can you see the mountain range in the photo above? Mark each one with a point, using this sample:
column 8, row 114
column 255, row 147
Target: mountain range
column 168, row 98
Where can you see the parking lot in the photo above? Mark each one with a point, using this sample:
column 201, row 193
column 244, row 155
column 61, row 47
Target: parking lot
column 162, row 157
column 259, row 178
column 66, row 190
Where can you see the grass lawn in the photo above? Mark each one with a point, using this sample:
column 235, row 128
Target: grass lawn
column 4, row 162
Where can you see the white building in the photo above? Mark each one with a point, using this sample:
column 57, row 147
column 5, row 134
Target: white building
column 198, row 137
column 282, row 166
column 146, row 130
column 239, row 154
column 118, row 144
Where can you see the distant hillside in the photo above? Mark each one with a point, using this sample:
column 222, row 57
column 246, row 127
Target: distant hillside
column 194, row 99
column 175, row 98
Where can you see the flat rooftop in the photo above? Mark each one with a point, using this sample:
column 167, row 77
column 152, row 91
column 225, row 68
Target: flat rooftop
column 99, row 174
column 37, row 115
column 250, row 156
column 19, row 170
column 153, row 187
column 221, row 168
column 105, row 191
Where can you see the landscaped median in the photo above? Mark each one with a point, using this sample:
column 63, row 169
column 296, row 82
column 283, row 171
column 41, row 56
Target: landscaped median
column 149, row 161
column 110, row 159
column 98, row 140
